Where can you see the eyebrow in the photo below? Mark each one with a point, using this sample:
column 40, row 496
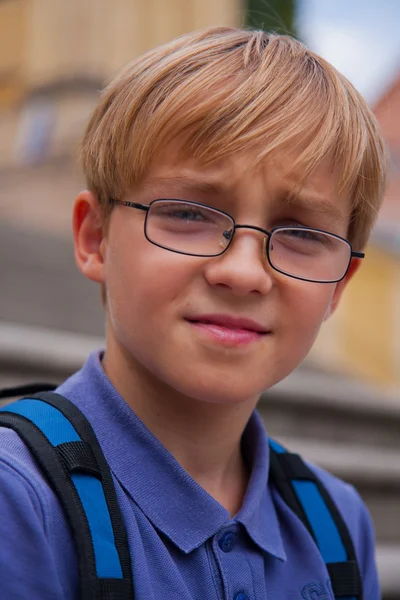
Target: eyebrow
column 191, row 183
column 317, row 204
column 302, row 200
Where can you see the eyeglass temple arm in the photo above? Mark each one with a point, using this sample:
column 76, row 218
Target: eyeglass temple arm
column 357, row 254
column 144, row 207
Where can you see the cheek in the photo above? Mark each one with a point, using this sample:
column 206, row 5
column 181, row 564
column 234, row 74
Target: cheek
column 145, row 284
column 306, row 306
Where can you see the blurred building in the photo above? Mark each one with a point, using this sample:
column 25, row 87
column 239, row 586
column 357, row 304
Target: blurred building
column 54, row 57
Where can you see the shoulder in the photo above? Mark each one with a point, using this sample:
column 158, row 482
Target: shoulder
column 17, row 464
column 21, row 480
column 31, row 526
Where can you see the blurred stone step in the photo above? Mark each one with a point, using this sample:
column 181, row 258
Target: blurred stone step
column 388, row 561
column 41, row 285
column 329, row 408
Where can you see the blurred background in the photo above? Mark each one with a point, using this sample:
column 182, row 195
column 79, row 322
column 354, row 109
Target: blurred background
column 341, row 408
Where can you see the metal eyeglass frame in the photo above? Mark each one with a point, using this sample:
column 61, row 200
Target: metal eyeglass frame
column 146, row 208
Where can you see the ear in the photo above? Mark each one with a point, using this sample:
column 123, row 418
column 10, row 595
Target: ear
column 88, row 236
column 341, row 285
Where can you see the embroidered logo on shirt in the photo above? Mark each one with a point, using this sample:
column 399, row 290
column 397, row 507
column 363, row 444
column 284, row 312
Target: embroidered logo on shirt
column 317, row 591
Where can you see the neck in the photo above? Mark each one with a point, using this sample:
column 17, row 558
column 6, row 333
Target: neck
column 205, row 438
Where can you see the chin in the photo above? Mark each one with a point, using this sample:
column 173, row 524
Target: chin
column 228, row 394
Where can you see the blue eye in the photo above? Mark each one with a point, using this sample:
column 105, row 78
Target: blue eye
column 187, row 215
column 305, row 234
column 180, row 213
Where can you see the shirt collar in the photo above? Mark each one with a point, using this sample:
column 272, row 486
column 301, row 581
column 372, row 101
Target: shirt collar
column 164, row 491
column 258, row 513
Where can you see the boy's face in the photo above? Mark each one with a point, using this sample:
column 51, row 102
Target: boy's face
column 152, row 293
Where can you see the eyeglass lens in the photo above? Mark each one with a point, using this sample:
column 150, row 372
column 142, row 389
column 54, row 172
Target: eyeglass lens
column 188, row 228
column 309, row 254
column 198, row 230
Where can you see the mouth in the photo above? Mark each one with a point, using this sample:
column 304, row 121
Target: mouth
column 227, row 329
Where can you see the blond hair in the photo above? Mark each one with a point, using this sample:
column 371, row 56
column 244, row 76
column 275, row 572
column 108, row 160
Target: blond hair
column 225, row 90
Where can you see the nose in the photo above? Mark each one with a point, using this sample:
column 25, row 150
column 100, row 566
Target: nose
column 243, row 268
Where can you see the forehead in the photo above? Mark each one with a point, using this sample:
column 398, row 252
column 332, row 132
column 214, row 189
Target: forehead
column 237, row 177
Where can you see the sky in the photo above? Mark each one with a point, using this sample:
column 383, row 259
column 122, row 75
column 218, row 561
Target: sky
column 361, row 38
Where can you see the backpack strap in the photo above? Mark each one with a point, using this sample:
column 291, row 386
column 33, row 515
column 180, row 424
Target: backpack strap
column 69, row 455
column 304, row 493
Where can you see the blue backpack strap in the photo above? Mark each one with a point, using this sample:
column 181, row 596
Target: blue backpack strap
column 304, row 493
column 66, row 448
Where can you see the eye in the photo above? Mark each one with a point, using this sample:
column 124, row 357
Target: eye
column 299, row 233
column 294, row 229
column 187, row 214
column 180, row 212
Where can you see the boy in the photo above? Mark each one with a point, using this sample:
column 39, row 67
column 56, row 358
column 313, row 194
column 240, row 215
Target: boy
column 233, row 179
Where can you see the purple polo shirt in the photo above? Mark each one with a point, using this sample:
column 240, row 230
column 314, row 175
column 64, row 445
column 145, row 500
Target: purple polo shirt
column 184, row 545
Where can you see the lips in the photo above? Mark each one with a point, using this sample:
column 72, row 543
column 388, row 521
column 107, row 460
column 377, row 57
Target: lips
column 229, row 322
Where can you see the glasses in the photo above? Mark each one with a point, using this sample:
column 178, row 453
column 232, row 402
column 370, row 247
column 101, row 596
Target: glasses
column 199, row 230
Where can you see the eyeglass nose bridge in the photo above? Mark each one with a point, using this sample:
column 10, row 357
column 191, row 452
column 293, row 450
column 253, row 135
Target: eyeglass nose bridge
column 267, row 235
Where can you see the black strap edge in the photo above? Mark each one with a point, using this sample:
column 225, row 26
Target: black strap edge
column 113, row 589
column 78, row 457
column 24, row 390
column 345, row 579
column 294, row 467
